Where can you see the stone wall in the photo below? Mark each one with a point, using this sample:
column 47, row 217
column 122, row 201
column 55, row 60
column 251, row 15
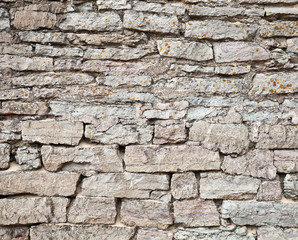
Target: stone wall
column 148, row 120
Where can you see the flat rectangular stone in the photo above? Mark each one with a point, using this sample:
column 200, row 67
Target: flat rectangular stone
column 91, row 21
column 216, row 29
column 292, row 45
column 277, row 83
column 270, row 190
column 58, row 52
column 126, row 80
column 125, row 96
column 279, row 29
column 281, row 10
column 199, row 113
column 110, row 4
column 269, row 1
column 40, row 37
column 151, row 22
column 28, row 157
column 276, row 233
column 195, row 213
column 232, row 70
column 169, row 132
column 154, row 158
column 261, row 213
column 291, row 186
column 91, row 232
column 195, row 10
column 14, row 94
column 9, row 233
column 286, row 161
column 228, row 138
column 92, row 210
column 10, row 130
column 184, row 185
column 159, row 8
column 5, row 37
column 239, row 52
column 222, row 186
column 95, row 158
column 187, row 50
column 39, row 183
column 23, row 108
column 145, row 234
column 146, row 213
column 124, row 185
column 4, row 155
column 16, row 49
column 51, row 131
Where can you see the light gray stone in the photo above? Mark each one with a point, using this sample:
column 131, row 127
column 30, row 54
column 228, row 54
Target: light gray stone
column 125, row 96
column 222, row 186
column 14, row 233
column 152, row 234
column 292, row 45
column 164, row 196
column 5, row 37
column 286, row 161
column 276, row 233
column 159, row 8
column 58, row 52
column 154, row 158
column 28, row 157
column 270, row 190
column 16, row 49
column 279, row 29
column 51, row 131
column 261, row 213
column 111, row 4
column 4, row 20
column 40, row 37
column 198, row 113
column 124, row 185
column 146, row 213
column 169, row 133
column 14, row 94
column 291, row 186
column 23, row 108
column 128, row 80
column 232, row 70
column 184, row 185
column 10, row 130
column 281, row 10
column 228, row 138
column 40, row 183
column 4, row 156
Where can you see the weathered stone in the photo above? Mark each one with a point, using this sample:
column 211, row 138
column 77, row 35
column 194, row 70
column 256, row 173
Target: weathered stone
column 92, row 210
column 261, row 213
column 151, row 22
column 269, row 1
column 214, row 101
column 23, row 108
column 188, row 50
column 95, row 158
column 22, row 63
column 14, row 233
column 19, row 211
column 40, row 37
column 146, row 213
column 159, row 8
column 107, row 21
column 154, row 158
column 277, row 136
column 58, row 52
column 232, row 70
column 12, row 94
column 164, row 114
column 194, row 213
column 133, row 97
column 128, row 80
column 67, row 64
column 216, row 29
column 10, row 130
column 146, row 234
column 184, row 185
column 124, row 185
column 261, row 116
column 279, row 29
column 4, row 19
column 31, row 20
column 120, row 134
column 239, row 52
column 292, row 45
column 257, row 163
column 198, row 113
column 39, row 183
column 161, row 195
column 291, row 186
column 80, row 232
column 224, row 11
column 270, row 190
column 51, row 78
column 169, row 133
column 286, row 161
column 51, row 131
column 16, row 49
column 110, row 4
column 4, row 155
column 5, row 37
column 280, row 10
column 275, row 233
column 228, row 138
column 28, row 157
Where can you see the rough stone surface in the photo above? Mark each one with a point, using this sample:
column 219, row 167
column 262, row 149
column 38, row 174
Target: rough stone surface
column 144, row 234
column 28, row 157
column 270, row 190
column 291, row 186
column 35, row 21
column 4, row 155
column 276, row 233
column 10, row 130
column 8, row 233
column 184, row 185
column 26, row 108
column 169, row 133
column 286, row 161
column 279, row 29
column 292, row 45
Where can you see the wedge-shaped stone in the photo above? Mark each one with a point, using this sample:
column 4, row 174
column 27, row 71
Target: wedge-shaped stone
column 154, row 158
column 279, row 29
column 184, row 185
column 291, row 186
column 95, row 158
column 187, row 50
column 146, row 213
column 40, row 37
column 239, row 52
column 80, row 232
column 107, row 21
column 92, row 210
column 276, row 233
column 215, row 29
column 4, row 155
column 39, row 183
column 261, row 213
column 124, row 185
column 257, row 163
column 23, row 108
column 277, row 136
column 222, row 186
column 274, row 83
column 195, row 213
column 9, row 233
column 19, row 211
column 151, row 22
column 51, row 131
column 286, row 161
column 228, row 138
column 153, row 234
column 10, row 130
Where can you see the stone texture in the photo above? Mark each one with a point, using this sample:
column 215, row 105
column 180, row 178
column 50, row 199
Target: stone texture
column 51, row 131
column 16, row 49
column 144, row 234
column 167, row 132
column 154, row 158
column 126, row 96
column 291, row 186
column 82, row 159
column 276, row 233
column 40, row 37
column 123, row 185
column 195, row 213
column 257, row 163
column 92, row 210
column 239, row 52
column 184, row 185
column 4, row 19
column 39, row 183
column 58, row 52
column 23, row 108
column 110, row 4
column 228, row 138
column 129, row 80
column 14, row 94
column 232, row 70
column 146, row 213
column 280, row 10
column 260, row 213
column 224, row 11
column 286, row 161
column 80, row 232
column 215, row 29
column 4, row 155
column 28, row 157
column 270, row 190
column 159, row 8
column 187, row 50
column 292, row 45
column 10, row 130
column 199, row 113
column 222, row 186
column 279, row 29
column 14, row 233
column 35, row 21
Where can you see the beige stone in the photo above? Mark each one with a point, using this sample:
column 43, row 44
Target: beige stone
column 169, row 133
column 23, row 108
column 184, row 185
column 286, row 161
column 4, row 155
column 32, row 20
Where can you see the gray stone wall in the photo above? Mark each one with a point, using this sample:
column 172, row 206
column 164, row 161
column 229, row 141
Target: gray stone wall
column 148, row 119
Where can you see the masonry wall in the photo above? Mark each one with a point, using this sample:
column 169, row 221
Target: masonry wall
column 148, row 120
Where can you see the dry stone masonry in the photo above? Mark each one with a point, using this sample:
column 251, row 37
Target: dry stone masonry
column 148, row 119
